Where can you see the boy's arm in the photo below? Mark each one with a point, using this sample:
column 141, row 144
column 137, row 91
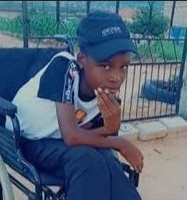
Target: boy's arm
column 74, row 135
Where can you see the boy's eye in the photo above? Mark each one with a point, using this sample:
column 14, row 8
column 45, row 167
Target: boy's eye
column 125, row 67
column 106, row 67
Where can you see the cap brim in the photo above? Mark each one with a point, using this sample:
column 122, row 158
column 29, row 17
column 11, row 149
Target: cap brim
column 107, row 49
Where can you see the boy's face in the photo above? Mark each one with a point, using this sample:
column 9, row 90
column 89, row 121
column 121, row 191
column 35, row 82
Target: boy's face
column 108, row 75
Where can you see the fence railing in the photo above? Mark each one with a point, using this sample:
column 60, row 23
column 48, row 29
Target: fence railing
column 152, row 88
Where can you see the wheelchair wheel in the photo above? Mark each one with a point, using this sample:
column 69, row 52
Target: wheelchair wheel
column 6, row 192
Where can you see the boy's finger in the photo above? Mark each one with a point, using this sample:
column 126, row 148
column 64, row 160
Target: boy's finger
column 107, row 98
column 113, row 99
column 102, row 106
column 110, row 100
column 104, row 98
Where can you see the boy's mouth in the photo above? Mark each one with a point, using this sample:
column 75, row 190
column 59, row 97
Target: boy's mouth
column 113, row 90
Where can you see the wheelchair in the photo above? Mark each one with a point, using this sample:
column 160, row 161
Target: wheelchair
column 6, row 187
column 18, row 65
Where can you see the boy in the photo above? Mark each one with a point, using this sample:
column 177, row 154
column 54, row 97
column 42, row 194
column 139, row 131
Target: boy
column 70, row 115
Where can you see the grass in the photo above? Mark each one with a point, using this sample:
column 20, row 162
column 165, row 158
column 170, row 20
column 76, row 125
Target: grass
column 41, row 24
column 161, row 51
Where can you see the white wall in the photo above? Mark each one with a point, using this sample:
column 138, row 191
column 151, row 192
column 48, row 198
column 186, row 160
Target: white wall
column 180, row 15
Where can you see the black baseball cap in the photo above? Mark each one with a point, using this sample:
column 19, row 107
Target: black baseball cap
column 103, row 34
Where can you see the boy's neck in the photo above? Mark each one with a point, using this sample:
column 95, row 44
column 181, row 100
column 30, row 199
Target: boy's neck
column 84, row 92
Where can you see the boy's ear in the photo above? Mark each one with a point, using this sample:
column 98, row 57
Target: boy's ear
column 81, row 58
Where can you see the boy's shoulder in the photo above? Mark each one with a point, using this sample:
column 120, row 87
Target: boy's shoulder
column 64, row 58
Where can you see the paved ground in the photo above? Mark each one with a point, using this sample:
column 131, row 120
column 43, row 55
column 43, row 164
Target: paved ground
column 164, row 176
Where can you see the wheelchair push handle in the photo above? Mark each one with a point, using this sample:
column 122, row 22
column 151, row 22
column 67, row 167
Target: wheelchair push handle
column 65, row 39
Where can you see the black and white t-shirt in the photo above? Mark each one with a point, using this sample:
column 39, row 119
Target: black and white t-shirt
column 58, row 81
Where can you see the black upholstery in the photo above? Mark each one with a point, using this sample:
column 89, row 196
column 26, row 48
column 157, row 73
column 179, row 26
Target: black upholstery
column 17, row 66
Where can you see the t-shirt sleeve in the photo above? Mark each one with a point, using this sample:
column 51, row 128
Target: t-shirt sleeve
column 56, row 83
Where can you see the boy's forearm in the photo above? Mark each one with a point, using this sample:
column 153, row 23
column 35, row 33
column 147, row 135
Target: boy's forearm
column 100, row 131
column 88, row 137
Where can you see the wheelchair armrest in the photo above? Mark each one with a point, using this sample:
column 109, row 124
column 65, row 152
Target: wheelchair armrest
column 10, row 145
column 7, row 108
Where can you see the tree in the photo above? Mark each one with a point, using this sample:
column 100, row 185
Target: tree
column 149, row 22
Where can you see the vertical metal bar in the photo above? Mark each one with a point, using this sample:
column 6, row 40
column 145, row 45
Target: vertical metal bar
column 43, row 6
column 145, row 78
column 139, row 82
column 182, row 71
column 88, row 3
column 157, row 79
column 164, row 58
column 133, row 83
column 173, row 92
column 152, row 59
column 145, row 81
column 175, row 51
column 124, row 98
column 177, row 88
column 25, row 24
column 140, row 77
column 117, row 7
column 57, row 16
column 171, row 71
column 172, row 17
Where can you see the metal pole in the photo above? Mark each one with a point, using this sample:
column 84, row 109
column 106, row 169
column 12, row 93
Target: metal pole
column 184, row 55
column 88, row 6
column 43, row 6
column 25, row 24
column 172, row 17
column 117, row 7
column 57, row 15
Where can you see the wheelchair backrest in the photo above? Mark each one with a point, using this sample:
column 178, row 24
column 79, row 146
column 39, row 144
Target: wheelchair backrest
column 18, row 65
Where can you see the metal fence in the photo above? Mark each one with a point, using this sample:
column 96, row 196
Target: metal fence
column 152, row 88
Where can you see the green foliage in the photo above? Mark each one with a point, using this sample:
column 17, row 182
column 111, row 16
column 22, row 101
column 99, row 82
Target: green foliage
column 41, row 24
column 69, row 27
column 149, row 22
column 11, row 25
column 161, row 50
column 44, row 24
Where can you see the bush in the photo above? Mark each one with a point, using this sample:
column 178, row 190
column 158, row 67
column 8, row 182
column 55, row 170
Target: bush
column 14, row 26
column 167, row 50
column 149, row 22
column 41, row 24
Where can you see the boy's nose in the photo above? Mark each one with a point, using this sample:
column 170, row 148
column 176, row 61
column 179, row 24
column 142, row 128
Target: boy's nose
column 115, row 77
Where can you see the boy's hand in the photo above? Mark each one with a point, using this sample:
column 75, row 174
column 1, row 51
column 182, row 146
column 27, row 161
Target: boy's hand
column 110, row 110
column 132, row 155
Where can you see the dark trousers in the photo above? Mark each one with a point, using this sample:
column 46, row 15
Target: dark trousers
column 88, row 173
